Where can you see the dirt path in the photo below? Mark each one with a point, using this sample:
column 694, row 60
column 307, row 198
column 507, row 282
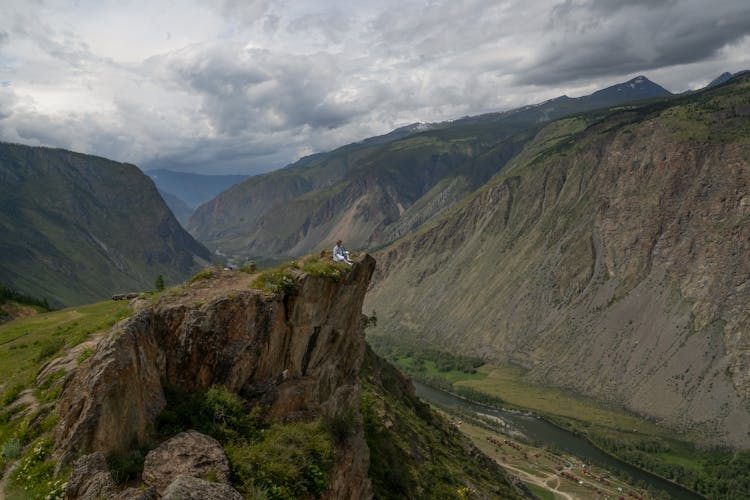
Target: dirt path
column 541, row 482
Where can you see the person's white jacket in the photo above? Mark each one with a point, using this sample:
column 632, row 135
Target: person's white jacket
column 340, row 255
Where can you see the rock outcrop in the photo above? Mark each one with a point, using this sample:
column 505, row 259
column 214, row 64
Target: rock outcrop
column 190, row 454
column 192, row 488
column 90, row 479
column 297, row 353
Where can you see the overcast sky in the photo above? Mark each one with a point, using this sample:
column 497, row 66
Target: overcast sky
column 242, row 86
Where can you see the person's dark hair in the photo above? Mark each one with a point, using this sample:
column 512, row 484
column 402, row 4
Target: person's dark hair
column 338, row 242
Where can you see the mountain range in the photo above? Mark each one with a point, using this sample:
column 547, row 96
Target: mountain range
column 373, row 192
column 78, row 228
column 529, row 236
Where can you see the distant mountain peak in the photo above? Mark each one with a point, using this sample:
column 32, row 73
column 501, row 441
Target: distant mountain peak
column 636, row 88
column 720, row 79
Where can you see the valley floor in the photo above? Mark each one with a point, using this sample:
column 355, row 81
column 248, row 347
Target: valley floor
column 641, row 444
column 549, row 474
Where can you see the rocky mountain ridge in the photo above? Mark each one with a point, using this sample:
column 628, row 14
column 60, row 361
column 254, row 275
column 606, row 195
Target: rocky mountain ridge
column 373, row 192
column 610, row 257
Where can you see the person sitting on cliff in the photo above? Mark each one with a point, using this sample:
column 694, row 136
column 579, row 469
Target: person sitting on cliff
column 341, row 255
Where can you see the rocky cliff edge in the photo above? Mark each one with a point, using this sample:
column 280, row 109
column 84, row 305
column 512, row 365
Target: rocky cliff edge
column 296, row 354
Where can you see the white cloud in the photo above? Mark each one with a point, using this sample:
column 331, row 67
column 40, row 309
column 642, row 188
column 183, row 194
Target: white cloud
column 245, row 86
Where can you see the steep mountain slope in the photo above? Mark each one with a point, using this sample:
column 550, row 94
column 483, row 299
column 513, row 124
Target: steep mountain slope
column 414, row 452
column 373, row 192
column 724, row 77
column 612, row 257
column 76, row 228
column 179, row 208
column 192, row 189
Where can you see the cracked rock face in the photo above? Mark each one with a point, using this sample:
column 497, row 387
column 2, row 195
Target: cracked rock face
column 296, row 353
column 90, row 479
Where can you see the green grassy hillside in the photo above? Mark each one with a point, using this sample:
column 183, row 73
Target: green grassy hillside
column 28, row 394
column 414, row 452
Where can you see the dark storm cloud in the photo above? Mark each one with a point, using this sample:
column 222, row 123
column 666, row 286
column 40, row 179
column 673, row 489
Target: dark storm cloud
column 226, row 155
column 597, row 38
column 246, row 86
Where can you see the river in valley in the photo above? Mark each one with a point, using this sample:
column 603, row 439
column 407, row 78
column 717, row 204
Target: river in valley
column 541, row 431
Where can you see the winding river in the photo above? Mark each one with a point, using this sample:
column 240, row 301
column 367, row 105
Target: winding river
column 542, row 431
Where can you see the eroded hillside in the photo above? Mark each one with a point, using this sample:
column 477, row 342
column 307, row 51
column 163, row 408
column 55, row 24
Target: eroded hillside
column 612, row 257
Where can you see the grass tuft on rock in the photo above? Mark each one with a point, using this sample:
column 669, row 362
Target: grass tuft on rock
column 333, row 271
column 277, row 280
column 202, row 275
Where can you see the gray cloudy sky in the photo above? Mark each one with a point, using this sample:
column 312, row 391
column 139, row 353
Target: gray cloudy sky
column 225, row 86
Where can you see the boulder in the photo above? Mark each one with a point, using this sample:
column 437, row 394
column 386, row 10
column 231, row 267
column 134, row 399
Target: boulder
column 192, row 488
column 90, row 479
column 189, row 453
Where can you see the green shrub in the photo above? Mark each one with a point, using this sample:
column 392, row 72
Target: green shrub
column 11, row 449
column 205, row 274
column 341, row 427
column 217, row 412
column 248, row 268
column 327, row 269
column 291, row 461
column 372, row 320
column 283, row 462
column 48, row 391
column 11, row 394
column 50, row 348
column 159, row 284
column 34, row 477
column 85, row 354
column 278, row 280
column 126, row 466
